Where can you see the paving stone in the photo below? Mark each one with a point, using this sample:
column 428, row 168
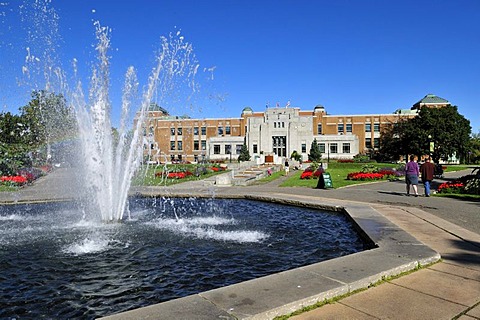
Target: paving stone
column 442, row 285
column 475, row 312
column 465, row 272
column 335, row 311
column 390, row 301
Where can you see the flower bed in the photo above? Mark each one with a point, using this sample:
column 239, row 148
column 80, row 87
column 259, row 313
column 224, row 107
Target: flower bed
column 365, row 176
column 14, row 180
column 451, row 187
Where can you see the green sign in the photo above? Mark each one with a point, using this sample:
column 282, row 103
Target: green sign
column 328, row 180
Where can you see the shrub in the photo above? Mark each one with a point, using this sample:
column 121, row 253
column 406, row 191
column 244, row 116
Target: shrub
column 361, row 158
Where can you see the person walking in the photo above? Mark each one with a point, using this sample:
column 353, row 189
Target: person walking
column 411, row 175
column 427, row 170
column 287, row 167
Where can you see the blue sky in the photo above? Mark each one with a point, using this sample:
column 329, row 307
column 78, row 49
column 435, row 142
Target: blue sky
column 353, row 57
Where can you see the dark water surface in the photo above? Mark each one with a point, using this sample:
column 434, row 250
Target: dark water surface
column 56, row 265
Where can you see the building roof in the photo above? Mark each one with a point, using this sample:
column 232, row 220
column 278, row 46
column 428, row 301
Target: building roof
column 433, row 99
column 155, row 107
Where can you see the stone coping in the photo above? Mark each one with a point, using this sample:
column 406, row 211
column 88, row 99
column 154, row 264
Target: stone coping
column 395, row 251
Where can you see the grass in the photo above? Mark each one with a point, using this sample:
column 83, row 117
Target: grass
column 146, row 176
column 338, row 172
column 460, row 196
column 7, row 188
column 272, row 177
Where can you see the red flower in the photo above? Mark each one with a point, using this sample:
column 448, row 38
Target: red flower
column 15, row 179
column 306, row 175
column 364, row 176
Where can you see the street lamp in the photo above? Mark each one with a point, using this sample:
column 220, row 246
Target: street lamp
column 431, row 144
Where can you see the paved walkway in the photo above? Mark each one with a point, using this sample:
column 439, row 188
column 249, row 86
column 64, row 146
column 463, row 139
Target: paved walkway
column 446, row 290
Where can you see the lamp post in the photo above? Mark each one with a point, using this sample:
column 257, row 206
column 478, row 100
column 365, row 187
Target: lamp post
column 431, row 145
column 328, row 152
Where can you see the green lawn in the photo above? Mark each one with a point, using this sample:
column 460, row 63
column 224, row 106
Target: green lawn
column 146, row 176
column 338, row 172
column 7, row 188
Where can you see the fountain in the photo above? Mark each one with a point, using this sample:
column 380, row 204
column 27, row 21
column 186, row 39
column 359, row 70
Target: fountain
column 56, row 264
column 61, row 260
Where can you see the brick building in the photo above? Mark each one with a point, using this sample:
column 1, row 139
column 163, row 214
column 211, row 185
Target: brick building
column 276, row 131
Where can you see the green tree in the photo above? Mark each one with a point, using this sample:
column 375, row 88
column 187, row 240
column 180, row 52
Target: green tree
column 315, row 155
column 49, row 119
column 14, row 147
column 447, row 130
column 244, row 153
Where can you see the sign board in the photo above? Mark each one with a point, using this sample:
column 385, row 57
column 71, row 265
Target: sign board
column 328, row 180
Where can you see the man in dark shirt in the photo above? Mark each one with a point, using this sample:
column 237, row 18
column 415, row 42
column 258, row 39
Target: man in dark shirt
column 427, row 170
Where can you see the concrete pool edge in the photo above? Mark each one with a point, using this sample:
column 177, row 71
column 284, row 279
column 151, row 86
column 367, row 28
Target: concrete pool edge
column 285, row 292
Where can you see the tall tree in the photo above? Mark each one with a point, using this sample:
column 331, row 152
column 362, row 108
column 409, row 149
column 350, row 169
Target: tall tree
column 49, row 118
column 315, row 155
column 447, row 131
column 440, row 132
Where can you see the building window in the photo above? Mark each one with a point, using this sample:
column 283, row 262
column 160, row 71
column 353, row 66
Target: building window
column 368, row 127
column 196, row 145
column 172, row 157
column 304, row 148
column 368, row 142
column 349, row 128
column 280, row 145
column 319, row 128
column 172, row 131
column 204, row 131
column 333, row 148
column 255, row 148
column 172, row 145
column 322, row 147
column 376, row 127
column 195, row 157
column 227, row 130
column 238, row 148
column 228, row 148
column 376, row 142
column 195, row 131
column 274, row 124
column 220, row 131
column 180, row 145
column 216, row 149
column 283, row 124
column 340, row 128
column 179, row 131
column 346, row 147
column 204, row 144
